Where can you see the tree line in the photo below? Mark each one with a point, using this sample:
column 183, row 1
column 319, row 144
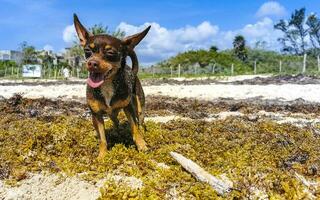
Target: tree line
column 31, row 56
column 301, row 35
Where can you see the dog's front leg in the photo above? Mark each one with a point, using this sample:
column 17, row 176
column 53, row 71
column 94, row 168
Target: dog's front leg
column 98, row 124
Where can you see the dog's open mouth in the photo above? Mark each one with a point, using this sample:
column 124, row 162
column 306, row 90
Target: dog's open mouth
column 96, row 79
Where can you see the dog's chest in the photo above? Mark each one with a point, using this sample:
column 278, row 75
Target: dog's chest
column 107, row 93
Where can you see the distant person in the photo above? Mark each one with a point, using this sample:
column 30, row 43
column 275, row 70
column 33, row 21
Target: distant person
column 66, row 73
column 78, row 72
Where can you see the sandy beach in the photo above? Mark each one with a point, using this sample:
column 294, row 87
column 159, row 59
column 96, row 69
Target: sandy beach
column 224, row 88
column 285, row 92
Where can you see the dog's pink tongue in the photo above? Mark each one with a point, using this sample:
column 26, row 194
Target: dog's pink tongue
column 95, row 80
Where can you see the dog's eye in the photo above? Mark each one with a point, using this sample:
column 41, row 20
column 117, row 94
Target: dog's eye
column 112, row 55
column 87, row 53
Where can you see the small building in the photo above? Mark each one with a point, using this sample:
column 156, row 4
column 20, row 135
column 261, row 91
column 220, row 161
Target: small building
column 55, row 58
column 11, row 55
column 73, row 60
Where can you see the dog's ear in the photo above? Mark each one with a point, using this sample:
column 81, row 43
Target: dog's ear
column 134, row 40
column 82, row 32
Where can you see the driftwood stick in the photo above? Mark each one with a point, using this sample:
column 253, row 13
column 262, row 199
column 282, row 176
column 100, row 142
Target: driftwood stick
column 222, row 187
column 305, row 181
column 310, row 186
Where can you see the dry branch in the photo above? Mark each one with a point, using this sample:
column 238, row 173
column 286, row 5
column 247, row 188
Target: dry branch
column 221, row 186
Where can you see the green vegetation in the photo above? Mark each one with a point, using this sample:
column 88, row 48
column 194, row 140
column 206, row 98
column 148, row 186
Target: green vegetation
column 101, row 29
column 8, row 68
column 12, row 70
column 239, row 48
column 267, row 62
column 301, row 35
column 262, row 155
column 29, row 53
column 220, row 60
column 296, row 31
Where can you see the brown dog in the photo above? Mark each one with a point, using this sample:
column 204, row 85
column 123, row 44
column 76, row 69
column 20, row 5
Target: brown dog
column 112, row 85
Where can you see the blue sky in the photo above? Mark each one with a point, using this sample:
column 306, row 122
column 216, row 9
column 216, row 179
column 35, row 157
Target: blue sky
column 177, row 25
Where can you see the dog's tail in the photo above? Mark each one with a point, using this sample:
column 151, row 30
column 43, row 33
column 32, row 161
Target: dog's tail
column 134, row 60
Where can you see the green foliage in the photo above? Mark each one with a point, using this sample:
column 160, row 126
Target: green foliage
column 239, row 47
column 269, row 61
column 296, row 30
column 214, row 48
column 77, row 50
column 205, row 58
column 98, row 29
column 313, row 23
column 7, row 64
column 297, row 22
column 6, row 67
column 119, row 34
column 47, row 61
column 29, row 53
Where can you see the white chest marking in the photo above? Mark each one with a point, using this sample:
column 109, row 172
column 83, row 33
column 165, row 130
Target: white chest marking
column 107, row 92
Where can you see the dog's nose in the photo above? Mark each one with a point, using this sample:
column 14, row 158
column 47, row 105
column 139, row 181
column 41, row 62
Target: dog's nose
column 93, row 64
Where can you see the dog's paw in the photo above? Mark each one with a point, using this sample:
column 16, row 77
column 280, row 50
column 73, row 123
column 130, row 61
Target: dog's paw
column 142, row 146
column 101, row 156
column 143, row 149
column 102, row 151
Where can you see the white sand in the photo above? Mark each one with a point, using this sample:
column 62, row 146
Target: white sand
column 51, row 186
column 61, row 187
column 224, row 78
column 52, row 91
column 285, row 92
column 218, row 78
column 297, row 119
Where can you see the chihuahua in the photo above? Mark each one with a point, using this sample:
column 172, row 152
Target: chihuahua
column 112, row 85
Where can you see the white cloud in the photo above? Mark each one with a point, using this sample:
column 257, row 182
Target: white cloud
column 161, row 43
column 262, row 30
column 48, row 47
column 69, row 34
column 271, row 8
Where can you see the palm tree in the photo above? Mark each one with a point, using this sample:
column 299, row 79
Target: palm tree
column 239, row 47
column 29, row 53
column 98, row 29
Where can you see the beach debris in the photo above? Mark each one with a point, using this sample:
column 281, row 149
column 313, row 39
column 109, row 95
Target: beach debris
column 221, row 186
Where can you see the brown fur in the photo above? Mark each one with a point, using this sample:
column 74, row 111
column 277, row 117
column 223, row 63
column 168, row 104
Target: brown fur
column 121, row 88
